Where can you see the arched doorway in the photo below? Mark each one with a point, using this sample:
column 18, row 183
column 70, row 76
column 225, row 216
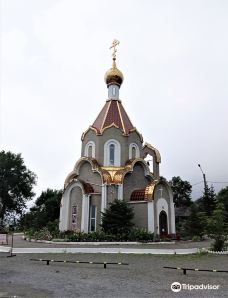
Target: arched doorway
column 163, row 227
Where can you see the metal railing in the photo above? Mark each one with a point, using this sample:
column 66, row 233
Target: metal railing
column 191, row 269
column 79, row 262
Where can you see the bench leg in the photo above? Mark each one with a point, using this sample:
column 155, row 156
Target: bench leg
column 184, row 271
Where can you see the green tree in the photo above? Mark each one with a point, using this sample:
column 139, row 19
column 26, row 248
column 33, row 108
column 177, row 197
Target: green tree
column 207, row 202
column 195, row 224
column 16, row 183
column 117, row 219
column 181, row 192
column 45, row 211
column 222, row 197
column 217, row 227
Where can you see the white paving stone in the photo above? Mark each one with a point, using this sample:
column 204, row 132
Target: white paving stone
column 112, row 250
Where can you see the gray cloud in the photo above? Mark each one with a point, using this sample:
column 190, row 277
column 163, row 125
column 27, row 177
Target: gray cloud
column 174, row 58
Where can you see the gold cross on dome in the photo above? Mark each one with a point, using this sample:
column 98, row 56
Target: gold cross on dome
column 114, row 44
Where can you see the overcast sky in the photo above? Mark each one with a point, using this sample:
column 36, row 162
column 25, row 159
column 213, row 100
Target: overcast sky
column 174, row 57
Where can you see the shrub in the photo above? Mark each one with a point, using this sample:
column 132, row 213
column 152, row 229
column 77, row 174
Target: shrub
column 218, row 245
column 117, row 218
column 133, row 235
column 196, row 238
column 139, row 235
column 43, row 234
column 72, row 236
column 53, row 227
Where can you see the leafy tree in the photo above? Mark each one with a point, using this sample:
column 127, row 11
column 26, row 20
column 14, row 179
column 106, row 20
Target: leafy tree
column 45, row 212
column 222, row 197
column 195, row 224
column 207, row 202
column 117, row 218
column 16, row 183
column 181, row 192
column 217, row 227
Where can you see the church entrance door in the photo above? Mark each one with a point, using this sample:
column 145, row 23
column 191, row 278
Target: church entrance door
column 163, row 227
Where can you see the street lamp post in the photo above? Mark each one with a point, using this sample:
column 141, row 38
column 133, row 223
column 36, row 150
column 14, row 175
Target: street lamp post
column 204, row 179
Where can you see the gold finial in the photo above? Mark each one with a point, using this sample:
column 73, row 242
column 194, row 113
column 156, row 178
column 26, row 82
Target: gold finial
column 114, row 75
column 114, row 44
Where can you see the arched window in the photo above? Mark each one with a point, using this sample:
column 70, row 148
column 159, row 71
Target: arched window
column 134, row 151
column 112, row 153
column 90, row 149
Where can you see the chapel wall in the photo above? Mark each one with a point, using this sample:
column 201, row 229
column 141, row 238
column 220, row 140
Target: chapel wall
column 90, row 136
column 140, row 215
column 112, row 193
column 165, row 196
column 75, row 200
column 133, row 181
column 112, row 133
column 86, row 174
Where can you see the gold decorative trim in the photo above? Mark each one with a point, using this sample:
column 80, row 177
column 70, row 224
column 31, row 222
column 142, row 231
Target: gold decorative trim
column 130, row 166
column 121, row 118
column 88, row 129
column 69, row 178
column 109, row 126
column 106, row 113
column 94, row 164
column 139, row 134
column 112, row 174
column 157, row 153
column 149, row 190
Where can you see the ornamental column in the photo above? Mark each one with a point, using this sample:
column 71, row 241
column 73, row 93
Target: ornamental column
column 85, row 213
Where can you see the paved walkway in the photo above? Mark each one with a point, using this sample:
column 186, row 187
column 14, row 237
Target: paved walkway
column 106, row 250
column 180, row 247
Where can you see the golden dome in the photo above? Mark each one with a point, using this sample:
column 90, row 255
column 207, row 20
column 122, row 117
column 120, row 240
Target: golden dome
column 113, row 75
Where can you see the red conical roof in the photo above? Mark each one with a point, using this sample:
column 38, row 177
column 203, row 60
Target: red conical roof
column 113, row 113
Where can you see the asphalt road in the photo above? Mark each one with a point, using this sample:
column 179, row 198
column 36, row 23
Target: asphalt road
column 143, row 277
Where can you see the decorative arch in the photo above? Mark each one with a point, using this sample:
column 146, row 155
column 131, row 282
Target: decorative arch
column 163, row 182
column 162, row 206
column 75, row 205
column 66, row 204
column 135, row 147
column 152, row 151
column 74, row 174
column 130, row 167
column 90, row 149
column 112, row 153
column 91, row 161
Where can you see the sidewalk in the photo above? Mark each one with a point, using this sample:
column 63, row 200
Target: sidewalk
column 23, row 246
column 106, row 250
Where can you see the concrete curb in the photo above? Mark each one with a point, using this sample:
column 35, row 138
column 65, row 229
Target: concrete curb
column 5, row 249
column 107, row 250
column 217, row 252
column 99, row 243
